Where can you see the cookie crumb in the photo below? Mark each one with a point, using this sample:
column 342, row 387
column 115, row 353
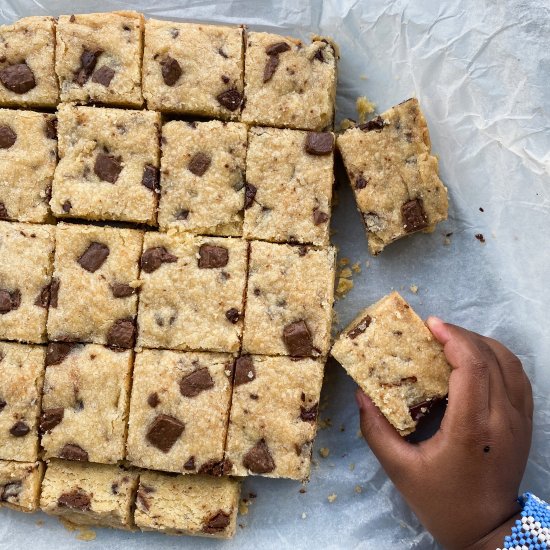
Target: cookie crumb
column 344, row 286
column 358, row 489
column 243, row 507
column 331, row 498
column 364, row 108
column 324, row 452
column 304, row 515
column 356, row 267
column 413, row 289
column 351, row 467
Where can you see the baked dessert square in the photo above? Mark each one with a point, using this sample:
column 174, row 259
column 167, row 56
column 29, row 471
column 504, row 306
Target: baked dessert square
column 202, row 177
column 289, row 175
column 179, row 411
column 21, row 378
column 25, row 277
column 20, row 485
column 89, row 494
column 396, row 361
column 85, row 402
column 187, row 505
column 394, row 175
column 192, row 292
column 98, row 58
column 108, row 167
column 27, row 64
column 289, row 300
column 289, row 84
column 28, row 156
column 273, row 418
column 194, row 69
column 96, row 277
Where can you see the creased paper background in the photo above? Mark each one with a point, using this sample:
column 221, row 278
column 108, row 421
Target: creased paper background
column 481, row 69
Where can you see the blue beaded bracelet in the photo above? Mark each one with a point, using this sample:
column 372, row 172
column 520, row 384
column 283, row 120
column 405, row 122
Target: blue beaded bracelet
column 532, row 531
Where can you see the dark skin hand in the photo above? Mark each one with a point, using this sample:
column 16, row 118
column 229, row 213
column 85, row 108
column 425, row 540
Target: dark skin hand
column 463, row 482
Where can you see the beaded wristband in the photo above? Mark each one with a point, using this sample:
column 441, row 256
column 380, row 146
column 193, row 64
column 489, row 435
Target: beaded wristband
column 532, row 531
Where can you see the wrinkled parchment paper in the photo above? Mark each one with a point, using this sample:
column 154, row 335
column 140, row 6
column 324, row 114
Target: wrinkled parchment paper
column 481, row 69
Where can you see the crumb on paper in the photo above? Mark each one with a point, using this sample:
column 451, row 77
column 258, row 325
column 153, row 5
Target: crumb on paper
column 359, row 433
column 346, row 272
column 367, row 264
column 358, row 489
column 351, row 467
column 480, row 237
column 414, row 289
column 86, row 535
column 324, row 452
column 364, row 108
column 344, row 286
column 343, row 262
column 346, row 124
column 331, row 498
column 324, row 423
column 304, row 515
column 243, row 507
column 356, row 267
column 39, row 522
column 302, row 490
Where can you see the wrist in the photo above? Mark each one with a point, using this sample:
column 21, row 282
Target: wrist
column 495, row 539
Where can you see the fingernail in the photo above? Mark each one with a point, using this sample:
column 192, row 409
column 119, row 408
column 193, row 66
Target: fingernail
column 439, row 329
column 360, row 398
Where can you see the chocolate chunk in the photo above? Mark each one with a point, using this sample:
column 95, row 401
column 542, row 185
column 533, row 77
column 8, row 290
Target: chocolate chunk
column 277, row 48
column 190, row 464
column 18, row 78
column 199, row 164
column 51, row 418
column 211, row 256
column 319, row 143
column 43, row 298
column 103, row 76
column 7, row 137
column 233, row 315
column 88, row 61
column 2, row 405
column 182, row 215
column 51, row 127
column 297, row 338
column 73, row 452
column 150, row 178
column 217, row 522
column 67, row 206
column 57, row 352
column 10, row 490
column 93, row 257
column 249, row 195
column 222, row 53
column 216, row 467
column 319, row 55
column 77, row 500
column 54, row 292
column 319, row 217
column 374, row 124
column 421, row 409
column 142, row 499
column 258, row 459
column 244, row 370
column 230, row 99
column 122, row 290
column 121, row 334
column 164, row 432
column 196, row 382
column 9, row 300
column 3, row 212
column 361, row 182
column 270, row 67
column 360, row 327
column 309, row 415
column 20, row 429
column 171, row 70
column 153, row 258
column 107, row 167
column 153, row 400
column 480, row 237
column 414, row 217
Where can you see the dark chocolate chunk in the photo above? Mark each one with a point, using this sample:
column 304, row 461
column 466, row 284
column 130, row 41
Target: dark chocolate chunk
column 190, row 464
column 196, row 382
column 216, row 467
column 182, row 214
column 107, row 167
column 309, row 415
column 122, row 333
column 10, row 490
column 230, row 99
column 51, row 127
column 51, row 418
column 43, row 298
column 9, row 300
column 319, row 217
column 414, row 217
column 360, row 327
column 374, row 124
column 2, row 404
column 77, row 500
column 88, row 61
column 164, row 432
column 249, row 195
column 217, row 522
column 153, row 258
column 7, row 137
column 233, row 315
column 277, row 48
column 222, row 53
column 244, row 370
column 150, row 178
column 93, row 257
column 18, row 78
column 421, row 409
column 20, row 429
column 153, row 400
column 54, row 292
column 3, row 212
column 103, row 76
column 57, row 352
column 297, row 338
column 122, row 290
column 480, row 237
column 73, row 452
column 67, row 206
column 319, row 55
column 171, row 70
column 319, row 143
column 199, row 164
column 270, row 67
column 361, row 182
column 258, row 459
column 211, row 256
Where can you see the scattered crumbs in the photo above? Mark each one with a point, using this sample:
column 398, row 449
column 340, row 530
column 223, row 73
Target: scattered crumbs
column 358, row 489
column 241, row 525
column 39, row 522
column 344, row 286
column 364, row 108
column 413, row 289
column 359, row 433
column 480, row 237
column 346, row 272
column 302, row 490
column 324, row 452
column 86, row 535
column 356, row 267
column 481, row 209
column 243, row 507
column 346, row 124
column 331, row 498
column 304, row 515
column 351, row 467
column 324, row 423
column 343, row 262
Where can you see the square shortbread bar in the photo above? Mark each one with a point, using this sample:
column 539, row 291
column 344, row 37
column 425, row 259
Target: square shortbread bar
column 394, row 175
column 395, row 360
column 20, row 485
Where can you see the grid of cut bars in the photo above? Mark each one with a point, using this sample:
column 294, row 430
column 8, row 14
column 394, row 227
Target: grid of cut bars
column 191, row 337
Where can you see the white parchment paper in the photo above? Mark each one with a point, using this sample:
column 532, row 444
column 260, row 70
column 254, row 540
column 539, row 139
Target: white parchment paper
column 481, row 69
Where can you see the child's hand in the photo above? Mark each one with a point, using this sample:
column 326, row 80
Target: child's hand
column 463, row 482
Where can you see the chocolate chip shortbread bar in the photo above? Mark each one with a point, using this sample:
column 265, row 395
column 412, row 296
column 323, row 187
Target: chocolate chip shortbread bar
column 395, row 360
column 394, row 175
column 187, row 505
column 179, row 411
column 289, row 84
column 20, row 485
